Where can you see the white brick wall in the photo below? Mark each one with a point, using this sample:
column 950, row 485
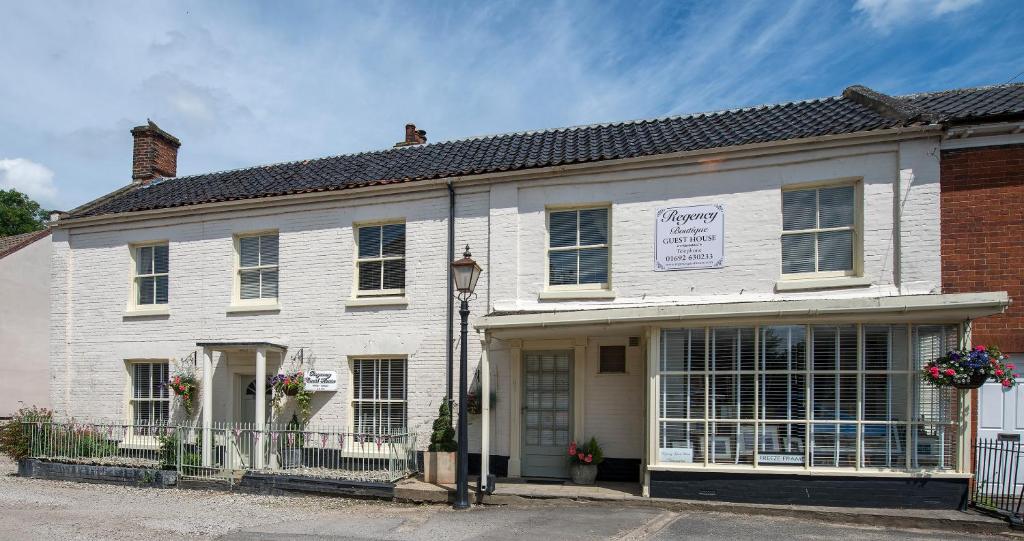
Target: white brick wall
column 504, row 224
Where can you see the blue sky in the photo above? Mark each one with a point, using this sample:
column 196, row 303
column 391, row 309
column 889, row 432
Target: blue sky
column 246, row 83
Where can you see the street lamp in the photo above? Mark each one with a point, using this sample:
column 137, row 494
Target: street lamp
column 465, row 272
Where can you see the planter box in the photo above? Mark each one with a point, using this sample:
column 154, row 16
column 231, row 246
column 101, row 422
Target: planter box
column 87, row 473
column 439, row 467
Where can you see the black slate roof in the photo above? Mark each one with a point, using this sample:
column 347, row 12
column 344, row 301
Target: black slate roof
column 563, row 146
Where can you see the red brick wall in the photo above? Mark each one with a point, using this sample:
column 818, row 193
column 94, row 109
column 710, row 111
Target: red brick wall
column 983, row 234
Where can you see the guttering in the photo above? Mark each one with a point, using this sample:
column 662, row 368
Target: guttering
column 957, row 305
column 682, row 157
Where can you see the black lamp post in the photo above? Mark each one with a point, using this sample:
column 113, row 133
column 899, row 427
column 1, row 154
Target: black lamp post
column 466, row 272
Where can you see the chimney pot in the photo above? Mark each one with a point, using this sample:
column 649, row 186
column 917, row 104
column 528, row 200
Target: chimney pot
column 154, row 154
column 413, row 136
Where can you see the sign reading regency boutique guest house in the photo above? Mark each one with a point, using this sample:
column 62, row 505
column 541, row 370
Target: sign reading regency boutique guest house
column 689, row 238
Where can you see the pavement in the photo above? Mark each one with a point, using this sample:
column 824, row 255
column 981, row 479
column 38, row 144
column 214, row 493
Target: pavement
column 33, row 509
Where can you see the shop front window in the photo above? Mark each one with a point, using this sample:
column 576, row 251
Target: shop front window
column 818, row 396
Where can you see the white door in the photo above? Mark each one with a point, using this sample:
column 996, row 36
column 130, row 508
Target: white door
column 245, row 438
column 1000, row 417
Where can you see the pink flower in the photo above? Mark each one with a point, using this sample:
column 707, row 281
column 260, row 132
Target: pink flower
column 1007, row 382
column 979, row 348
column 950, row 372
column 1010, row 366
column 934, row 370
column 999, row 372
column 579, row 456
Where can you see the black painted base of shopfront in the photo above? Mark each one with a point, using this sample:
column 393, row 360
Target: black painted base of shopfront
column 830, row 491
column 263, row 483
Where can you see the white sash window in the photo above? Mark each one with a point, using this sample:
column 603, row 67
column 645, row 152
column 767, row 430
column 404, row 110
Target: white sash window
column 380, row 261
column 150, row 401
column 257, row 267
column 378, row 396
column 578, row 249
column 152, row 274
column 819, row 231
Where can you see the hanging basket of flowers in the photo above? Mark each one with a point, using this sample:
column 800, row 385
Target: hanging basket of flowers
column 970, row 369
column 185, row 386
column 291, row 385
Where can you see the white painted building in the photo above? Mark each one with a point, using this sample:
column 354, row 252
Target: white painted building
column 24, row 321
column 793, row 354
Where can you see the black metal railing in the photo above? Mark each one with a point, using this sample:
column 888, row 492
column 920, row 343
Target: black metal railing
column 998, row 476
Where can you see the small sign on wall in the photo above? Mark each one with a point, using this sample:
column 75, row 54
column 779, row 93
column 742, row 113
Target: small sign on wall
column 689, row 238
column 321, row 380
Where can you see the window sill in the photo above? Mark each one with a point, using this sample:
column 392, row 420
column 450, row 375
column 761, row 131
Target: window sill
column 571, row 294
column 377, row 301
column 251, row 308
column 146, row 312
column 804, row 284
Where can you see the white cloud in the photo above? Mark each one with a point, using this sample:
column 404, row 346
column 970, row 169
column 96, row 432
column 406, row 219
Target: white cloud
column 28, row 177
column 884, row 15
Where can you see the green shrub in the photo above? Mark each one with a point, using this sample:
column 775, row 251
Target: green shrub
column 14, row 436
column 443, row 437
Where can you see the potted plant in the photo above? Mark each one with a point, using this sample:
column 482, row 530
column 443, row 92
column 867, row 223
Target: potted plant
column 970, row 369
column 439, row 460
column 583, row 461
column 291, row 444
column 185, row 386
column 293, row 385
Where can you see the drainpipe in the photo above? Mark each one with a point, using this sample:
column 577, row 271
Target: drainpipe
column 449, row 346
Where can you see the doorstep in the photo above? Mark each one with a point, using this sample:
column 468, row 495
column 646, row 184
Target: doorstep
column 518, row 492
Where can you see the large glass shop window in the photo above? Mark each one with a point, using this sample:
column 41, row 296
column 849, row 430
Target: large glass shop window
column 835, row 396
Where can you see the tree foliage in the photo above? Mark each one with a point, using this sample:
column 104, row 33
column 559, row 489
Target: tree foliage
column 20, row 214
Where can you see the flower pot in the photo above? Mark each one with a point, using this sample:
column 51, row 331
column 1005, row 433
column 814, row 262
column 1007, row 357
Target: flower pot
column 976, row 380
column 291, row 390
column 583, row 474
column 291, row 458
column 439, row 467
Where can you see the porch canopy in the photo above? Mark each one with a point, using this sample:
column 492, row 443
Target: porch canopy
column 715, row 384
column 261, row 349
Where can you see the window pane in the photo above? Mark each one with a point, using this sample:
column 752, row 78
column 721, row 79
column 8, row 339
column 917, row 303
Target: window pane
column 249, row 251
column 682, row 435
column 562, row 269
column 268, row 250
column 824, row 348
column 798, row 210
column 782, row 444
column 161, row 290
column 140, row 380
column 876, row 348
column 798, row 253
column 369, row 241
column 835, row 207
column 782, row 396
column 783, row 347
column 835, row 250
column 593, row 226
column 885, row 446
column 394, row 274
column 834, row 445
column 160, row 262
column 594, row 266
column 562, row 228
column 161, row 377
column 369, row 275
column 683, row 350
column 393, row 239
column 269, row 284
column 249, row 284
column 146, row 290
column 732, row 349
column 144, row 260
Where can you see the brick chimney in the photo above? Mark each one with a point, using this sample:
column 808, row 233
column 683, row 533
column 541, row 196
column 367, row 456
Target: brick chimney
column 155, row 153
column 413, row 136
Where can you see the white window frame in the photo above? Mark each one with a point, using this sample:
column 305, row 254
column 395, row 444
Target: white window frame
column 236, row 297
column 914, row 422
column 133, row 305
column 131, row 403
column 393, row 292
column 604, row 286
column 857, row 228
column 353, row 399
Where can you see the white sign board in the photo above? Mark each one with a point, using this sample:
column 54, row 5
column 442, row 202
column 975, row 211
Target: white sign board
column 781, row 458
column 321, row 380
column 689, row 238
column 676, row 454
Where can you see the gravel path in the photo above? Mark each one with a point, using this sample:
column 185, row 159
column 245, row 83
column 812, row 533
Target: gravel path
column 40, row 509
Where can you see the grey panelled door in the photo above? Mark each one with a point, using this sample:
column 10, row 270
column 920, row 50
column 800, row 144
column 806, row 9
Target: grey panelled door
column 547, row 413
